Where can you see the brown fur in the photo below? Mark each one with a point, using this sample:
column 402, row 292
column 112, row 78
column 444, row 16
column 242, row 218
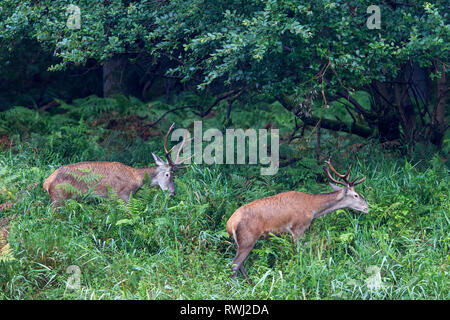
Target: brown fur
column 287, row 212
column 123, row 179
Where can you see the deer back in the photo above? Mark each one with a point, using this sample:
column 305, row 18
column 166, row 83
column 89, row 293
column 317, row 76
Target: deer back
column 274, row 214
column 84, row 175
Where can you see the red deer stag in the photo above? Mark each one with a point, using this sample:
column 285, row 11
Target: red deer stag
column 288, row 212
column 121, row 178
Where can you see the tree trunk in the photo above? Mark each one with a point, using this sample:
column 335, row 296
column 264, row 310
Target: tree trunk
column 406, row 110
column 113, row 75
column 388, row 119
column 438, row 124
column 354, row 128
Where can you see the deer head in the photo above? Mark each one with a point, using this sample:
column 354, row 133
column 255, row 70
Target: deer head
column 349, row 198
column 165, row 170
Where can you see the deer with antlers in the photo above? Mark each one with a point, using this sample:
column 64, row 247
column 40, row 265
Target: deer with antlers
column 122, row 179
column 289, row 212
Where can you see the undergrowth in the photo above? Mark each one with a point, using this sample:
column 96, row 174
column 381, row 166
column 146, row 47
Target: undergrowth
column 162, row 247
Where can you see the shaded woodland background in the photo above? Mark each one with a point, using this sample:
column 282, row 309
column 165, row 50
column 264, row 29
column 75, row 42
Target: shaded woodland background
column 302, row 54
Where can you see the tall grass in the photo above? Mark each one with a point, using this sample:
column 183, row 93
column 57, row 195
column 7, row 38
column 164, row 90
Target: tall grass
column 162, row 247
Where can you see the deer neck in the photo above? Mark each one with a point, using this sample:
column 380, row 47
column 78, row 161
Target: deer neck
column 327, row 202
column 141, row 172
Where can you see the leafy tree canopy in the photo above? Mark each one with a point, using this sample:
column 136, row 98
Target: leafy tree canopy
column 319, row 48
column 274, row 45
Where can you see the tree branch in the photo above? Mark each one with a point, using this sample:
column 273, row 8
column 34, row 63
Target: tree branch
column 218, row 99
column 202, row 113
column 334, row 125
column 356, row 104
column 152, row 124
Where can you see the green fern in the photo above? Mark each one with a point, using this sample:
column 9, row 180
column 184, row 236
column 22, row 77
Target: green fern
column 94, row 106
column 88, row 177
column 136, row 207
column 20, row 120
column 69, row 188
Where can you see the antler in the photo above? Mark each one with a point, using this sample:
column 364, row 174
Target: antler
column 179, row 160
column 345, row 177
column 169, row 160
column 175, row 164
column 353, row 183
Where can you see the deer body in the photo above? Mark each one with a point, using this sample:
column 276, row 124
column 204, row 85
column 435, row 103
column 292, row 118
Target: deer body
column 288, row 212
column 122, row 179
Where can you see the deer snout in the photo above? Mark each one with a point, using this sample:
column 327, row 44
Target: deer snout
column 365, row 209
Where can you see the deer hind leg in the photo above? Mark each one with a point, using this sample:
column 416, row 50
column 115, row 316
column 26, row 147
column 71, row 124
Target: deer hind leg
column 56, row 198
column 244, row 246
column 125, row 197
column 242, row 270
column 238, row 262
column 56, row 203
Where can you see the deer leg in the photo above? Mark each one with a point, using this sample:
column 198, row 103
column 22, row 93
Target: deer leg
column 242, row 270
column 297, row 233
column 56, row 203
column 125, row 197
column 293, row 234
column 56, row 199
column 237, row 264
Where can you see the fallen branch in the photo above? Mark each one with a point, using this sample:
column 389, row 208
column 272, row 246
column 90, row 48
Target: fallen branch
column 152, row 124
column 50, row 105
column 354, row 128
column 201, row 113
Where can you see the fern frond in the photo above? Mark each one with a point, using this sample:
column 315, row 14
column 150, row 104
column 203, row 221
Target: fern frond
column 135, row 207
column 69, row 188
column 87, row 177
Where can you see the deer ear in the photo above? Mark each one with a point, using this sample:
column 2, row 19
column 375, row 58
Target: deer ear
column 335, row 187
column 158, row 160
column 345, row 191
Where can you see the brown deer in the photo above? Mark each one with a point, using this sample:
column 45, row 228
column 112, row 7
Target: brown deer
column 288, row 212
column 121, row 178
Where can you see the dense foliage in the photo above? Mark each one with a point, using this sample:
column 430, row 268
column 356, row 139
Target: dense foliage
column 300, row 66
column 312, row 51
column 279, row 44
column 159, row 247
